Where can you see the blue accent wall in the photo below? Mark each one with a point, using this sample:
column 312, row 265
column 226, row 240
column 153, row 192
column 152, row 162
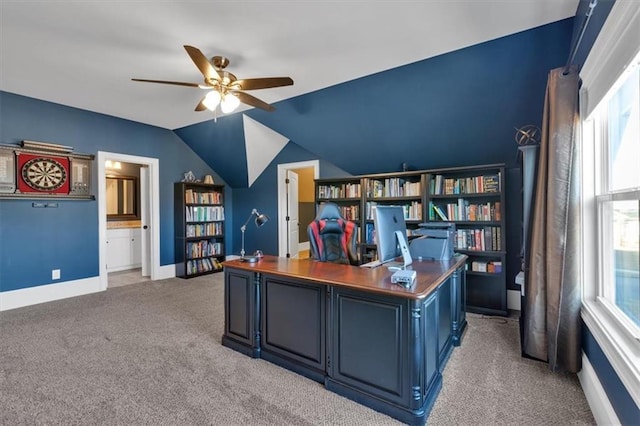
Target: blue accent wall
column 33, row 241
column 221, row 145
column 457, row 109
column 263, row 195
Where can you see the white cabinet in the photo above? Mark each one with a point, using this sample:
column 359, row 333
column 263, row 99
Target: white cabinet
column 124, row 250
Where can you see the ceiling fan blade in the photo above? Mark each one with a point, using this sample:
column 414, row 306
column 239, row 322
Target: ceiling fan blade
column 264, row 83
column 200, row 106
column 202, row 63
column 176, row 83
column 253, row 101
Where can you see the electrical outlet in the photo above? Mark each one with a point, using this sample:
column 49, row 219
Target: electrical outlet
column 55, row 274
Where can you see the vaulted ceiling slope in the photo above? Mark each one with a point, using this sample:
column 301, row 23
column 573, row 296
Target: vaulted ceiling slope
column 456, row 109
column 84, row 54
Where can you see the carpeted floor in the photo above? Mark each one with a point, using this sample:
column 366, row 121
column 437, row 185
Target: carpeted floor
column 150, row 353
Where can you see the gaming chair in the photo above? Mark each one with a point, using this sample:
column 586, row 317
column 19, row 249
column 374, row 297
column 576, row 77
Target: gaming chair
column 331, row 237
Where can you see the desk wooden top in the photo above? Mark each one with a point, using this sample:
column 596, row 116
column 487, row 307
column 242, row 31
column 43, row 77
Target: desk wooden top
column 430, row 274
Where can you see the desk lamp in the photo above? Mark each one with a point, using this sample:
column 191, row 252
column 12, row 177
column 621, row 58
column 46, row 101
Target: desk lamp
column 261, row 219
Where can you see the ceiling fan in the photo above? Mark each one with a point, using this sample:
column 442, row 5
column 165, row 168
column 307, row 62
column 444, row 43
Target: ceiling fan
column 224, row 88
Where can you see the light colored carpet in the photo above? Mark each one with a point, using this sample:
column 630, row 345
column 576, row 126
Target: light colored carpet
column 150, row 353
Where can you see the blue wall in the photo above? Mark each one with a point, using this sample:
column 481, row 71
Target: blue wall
column 457, row 109
column 33, row 241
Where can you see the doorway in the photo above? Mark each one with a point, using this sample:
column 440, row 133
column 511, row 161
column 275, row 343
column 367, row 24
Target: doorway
column 149, row 244
column 306, row 171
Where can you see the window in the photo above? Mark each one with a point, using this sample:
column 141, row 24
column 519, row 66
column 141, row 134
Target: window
column 610, row 151
column 616, row 121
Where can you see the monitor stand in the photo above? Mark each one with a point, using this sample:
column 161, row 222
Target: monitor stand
column 406, row 255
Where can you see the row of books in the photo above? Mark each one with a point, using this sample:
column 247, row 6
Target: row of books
column 412, row 211
column 205, row 229
column 345, row 190
column 466, row 185
column 350, row 212
column 199, row 266
column 463, row 210
column 487, row 238
column 492, row 267
column 393, row 187
column 204, row 248
column 195, row 197
column 204, row 214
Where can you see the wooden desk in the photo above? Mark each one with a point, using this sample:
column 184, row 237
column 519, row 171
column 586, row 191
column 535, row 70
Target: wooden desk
column 350, row 328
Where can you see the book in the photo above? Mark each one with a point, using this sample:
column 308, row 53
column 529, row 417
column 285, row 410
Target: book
column 440, row 213
column 491, row 183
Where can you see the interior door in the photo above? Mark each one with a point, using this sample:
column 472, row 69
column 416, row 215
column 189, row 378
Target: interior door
column 145, row 209
column 293, row 222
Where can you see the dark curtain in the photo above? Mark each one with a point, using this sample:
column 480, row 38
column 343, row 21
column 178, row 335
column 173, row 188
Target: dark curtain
column 553, row 288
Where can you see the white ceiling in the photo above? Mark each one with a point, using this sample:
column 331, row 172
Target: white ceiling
column 84, row 53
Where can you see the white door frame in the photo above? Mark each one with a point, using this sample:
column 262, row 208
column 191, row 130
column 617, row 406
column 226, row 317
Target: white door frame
column 145, row 209
column 282, row 198
column 154, row 217
column 293, row 206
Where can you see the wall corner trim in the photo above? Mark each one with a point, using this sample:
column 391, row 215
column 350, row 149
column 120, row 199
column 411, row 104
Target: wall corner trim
column 167, row 271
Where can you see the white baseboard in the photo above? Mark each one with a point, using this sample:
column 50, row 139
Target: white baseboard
column 47, row 293
column 513, row 300
column 166, row 271
column 601, row 408
column 303, row 246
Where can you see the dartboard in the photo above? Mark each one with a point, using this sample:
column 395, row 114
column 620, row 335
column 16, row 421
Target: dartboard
column 44, row 174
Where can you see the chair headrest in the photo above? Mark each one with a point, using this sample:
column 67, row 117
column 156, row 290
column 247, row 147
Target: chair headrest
column 331, row 226
column 329, row 211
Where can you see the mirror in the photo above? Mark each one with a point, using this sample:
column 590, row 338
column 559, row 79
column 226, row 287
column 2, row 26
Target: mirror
column 122, row 197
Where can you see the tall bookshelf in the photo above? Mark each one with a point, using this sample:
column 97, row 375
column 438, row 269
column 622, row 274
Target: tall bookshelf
column 473, row 199
column 470, row 197
column 404, row 189
column 199, row 228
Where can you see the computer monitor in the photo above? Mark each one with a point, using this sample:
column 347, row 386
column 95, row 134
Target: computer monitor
column 391, row 234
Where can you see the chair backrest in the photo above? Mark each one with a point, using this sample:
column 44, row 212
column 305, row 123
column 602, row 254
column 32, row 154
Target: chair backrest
column 331, row 237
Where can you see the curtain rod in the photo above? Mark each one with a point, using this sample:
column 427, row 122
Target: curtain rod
column 583, row 28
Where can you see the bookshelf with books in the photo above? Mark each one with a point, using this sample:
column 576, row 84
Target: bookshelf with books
column 406, row 189
column 199, row 228
column 473, row 199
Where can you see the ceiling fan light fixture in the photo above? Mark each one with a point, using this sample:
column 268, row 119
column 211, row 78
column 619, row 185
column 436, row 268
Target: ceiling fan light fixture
column 212, row 100
column 224, row 89
column 229, row 103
